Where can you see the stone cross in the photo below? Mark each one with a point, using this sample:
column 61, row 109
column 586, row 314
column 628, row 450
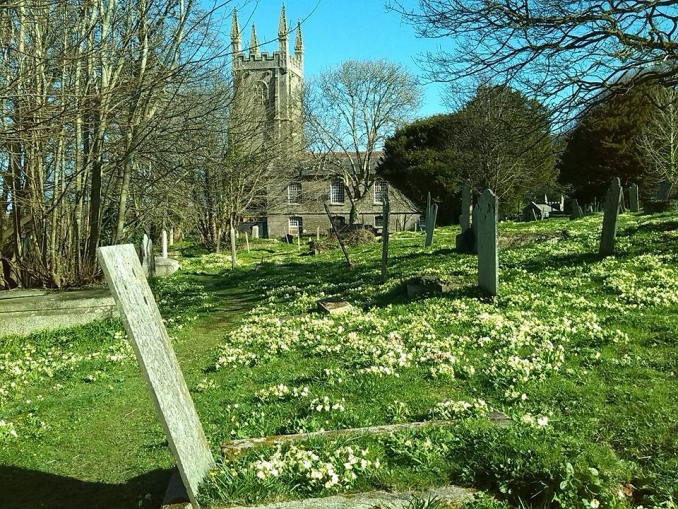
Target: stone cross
column 164, row 243
column 609, row 233
column 634, row 204
column 488, row 260
column 159, row 365
column 465, row 219
column 255, row 232
column 664, row 190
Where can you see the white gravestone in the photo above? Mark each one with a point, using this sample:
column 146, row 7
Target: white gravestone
column 164, row 243
column 147, row 258
column 255, row 232
column 612, row 205
column 159, row 365
column 488, row 258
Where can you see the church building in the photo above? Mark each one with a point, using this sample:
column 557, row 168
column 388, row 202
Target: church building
column 268, row 96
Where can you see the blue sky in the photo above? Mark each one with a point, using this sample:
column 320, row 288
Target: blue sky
column 339, row 30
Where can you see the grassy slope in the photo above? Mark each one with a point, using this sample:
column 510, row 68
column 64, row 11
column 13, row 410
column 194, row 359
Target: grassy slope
column 102, row 446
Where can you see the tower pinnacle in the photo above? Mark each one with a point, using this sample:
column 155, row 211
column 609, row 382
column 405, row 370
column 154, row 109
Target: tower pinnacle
column 298, row 41
column 282, row 25
column 235, row 33
column 254, row 43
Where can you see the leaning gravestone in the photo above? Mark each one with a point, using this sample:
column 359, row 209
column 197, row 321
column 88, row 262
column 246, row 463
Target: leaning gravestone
column 609, row 233
column 576, row 209
column 488, row 259
column 159, row 365
column 664, row 191
column 634, row 204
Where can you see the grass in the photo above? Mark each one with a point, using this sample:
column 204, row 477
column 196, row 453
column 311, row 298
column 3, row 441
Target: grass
column 580, row 352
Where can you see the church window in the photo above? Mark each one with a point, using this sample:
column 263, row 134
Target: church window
column 380, row 192
column 296, row 225
column 294, row 192
column 337, row 192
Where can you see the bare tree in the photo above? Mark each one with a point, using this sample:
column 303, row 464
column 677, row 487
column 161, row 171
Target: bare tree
column 658, row 138
column 567, row 51
column 350, row 110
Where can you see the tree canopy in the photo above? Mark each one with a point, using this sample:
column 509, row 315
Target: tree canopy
column 500, row 140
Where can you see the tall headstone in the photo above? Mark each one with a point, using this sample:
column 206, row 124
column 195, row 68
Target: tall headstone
column 576, row 209
column 664, row 191
column 609, row 233
column 233, row 250
column 634, row 203
column 164, row 243
column 255, row 232
column 488, row 258
column 147, row 258
column 159, row 365
column 465, row 208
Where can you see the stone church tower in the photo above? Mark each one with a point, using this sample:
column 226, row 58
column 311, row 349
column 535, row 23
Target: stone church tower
column 268, row 89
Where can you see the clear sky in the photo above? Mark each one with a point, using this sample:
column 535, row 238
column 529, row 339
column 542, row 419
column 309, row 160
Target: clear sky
column 339, row 30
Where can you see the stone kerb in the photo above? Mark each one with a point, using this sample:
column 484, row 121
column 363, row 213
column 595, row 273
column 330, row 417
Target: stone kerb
column 159, row 365
column 609, row 233
column 488, row 259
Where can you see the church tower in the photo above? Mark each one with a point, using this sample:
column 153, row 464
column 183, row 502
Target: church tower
column 268, row 88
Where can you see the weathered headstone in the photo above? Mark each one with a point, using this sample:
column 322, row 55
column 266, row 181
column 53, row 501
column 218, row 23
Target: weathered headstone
column 386, row 213
column 609, row 233
column 234, row 260
column 159, row 365
column 465, row 207
column 576, row 209
column 634, row 204
column 488, row 259
column 474, row 228
column 664, row 191
column 164, row 243
column 147, row 258
column 255, row 232
column 431, row 215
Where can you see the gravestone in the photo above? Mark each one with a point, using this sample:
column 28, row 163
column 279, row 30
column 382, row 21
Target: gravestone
column 474, row 228
column 147, row 258
column 576, row 209
column 634, row 204
column 664, row 191
column 562, row 203
column 255, row 232
column 465, row 208
column 609, row 233
column 159, row 365
column 463, row 241
column 488, row 259
column 431, row 214
column 164, row 243
column 171, row 237
column 233, row 249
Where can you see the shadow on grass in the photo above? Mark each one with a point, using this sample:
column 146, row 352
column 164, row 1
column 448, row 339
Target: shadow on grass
column 30, row 489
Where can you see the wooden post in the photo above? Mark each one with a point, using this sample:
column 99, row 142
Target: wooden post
column 233, row 251
column 159, row 365
column 336, row 232
column 386, row 211
column 164, row 243
column 317, row 233
column 299, row 241
column 247, row 242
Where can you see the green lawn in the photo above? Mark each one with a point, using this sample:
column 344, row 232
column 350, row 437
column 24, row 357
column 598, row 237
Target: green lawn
column 580, row 352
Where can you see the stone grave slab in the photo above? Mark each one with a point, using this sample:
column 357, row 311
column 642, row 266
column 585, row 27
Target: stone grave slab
column 334, row 306
column 159, row 365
